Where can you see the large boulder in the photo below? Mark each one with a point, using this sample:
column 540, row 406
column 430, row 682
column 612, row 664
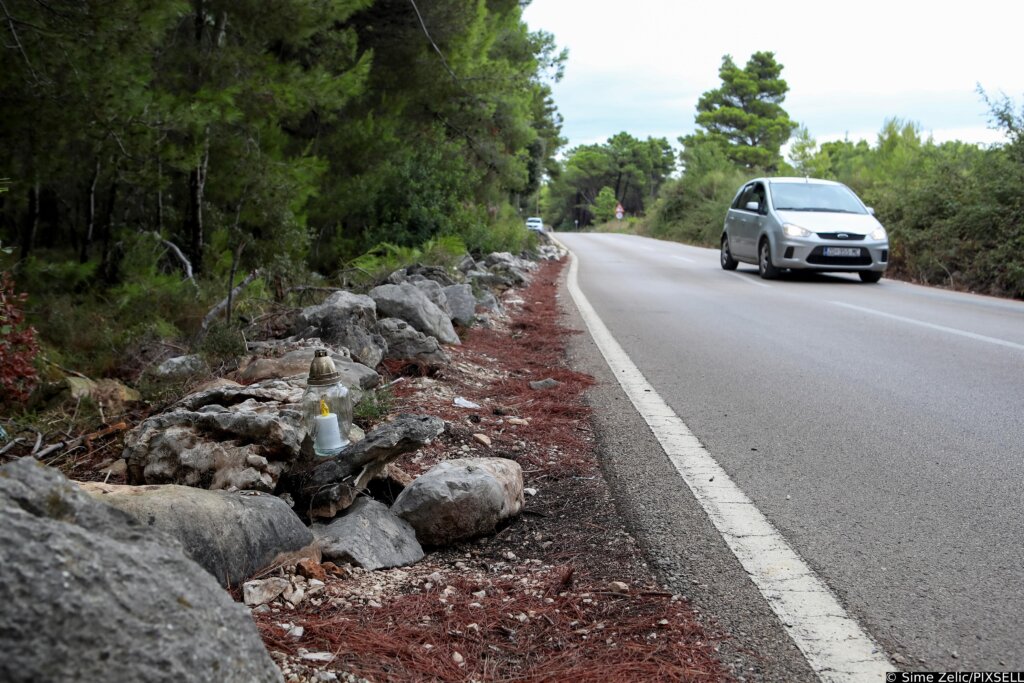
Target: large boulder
column 433, row 291
column 460, row 499
column 222, row 438
column 512, row 268
column 230, row 535
column 436, row 273
column 407, row 302
column 461, row 303
column 348, row 320
column 369, row 536
column 89, row 594
column 406, row 343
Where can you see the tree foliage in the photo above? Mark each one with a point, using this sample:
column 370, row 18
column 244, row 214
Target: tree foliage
column 633, row 170
column 745, row 114
column 283, row 135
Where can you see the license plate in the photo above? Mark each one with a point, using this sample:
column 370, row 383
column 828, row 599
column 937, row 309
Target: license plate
column 842, row 251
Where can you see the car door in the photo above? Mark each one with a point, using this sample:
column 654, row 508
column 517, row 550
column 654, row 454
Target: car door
column 744, row 224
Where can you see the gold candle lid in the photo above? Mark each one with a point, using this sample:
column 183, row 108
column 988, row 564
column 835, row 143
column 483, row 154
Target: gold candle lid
column 322, row 372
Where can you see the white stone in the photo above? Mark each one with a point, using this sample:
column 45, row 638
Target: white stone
column 262, row 591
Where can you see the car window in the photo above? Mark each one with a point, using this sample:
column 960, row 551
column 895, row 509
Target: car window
column 749, row 194
column 739, row 202
column 757, row 194
column 815, row 197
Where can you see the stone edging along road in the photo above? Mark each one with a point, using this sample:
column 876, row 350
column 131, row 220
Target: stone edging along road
column 833, row 643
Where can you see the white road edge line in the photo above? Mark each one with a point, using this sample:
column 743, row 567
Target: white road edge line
column 683, row 258
column 749, row 281
column 933, row 326
column 832, row 642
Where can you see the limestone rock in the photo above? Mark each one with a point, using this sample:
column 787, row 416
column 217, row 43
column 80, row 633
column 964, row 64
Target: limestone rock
column 466, row 264
column 345, row 319
column 369, row 536
column 181, row 367
column 461, row 303
column 433, row 291
column 230, row 535
column 489, row 302
column 89, row 594
column 296, row 364
column 207, row 438
column 406, row 343
column 436, row 273
column 408, row 303
column 459, row 499
column 262, row 591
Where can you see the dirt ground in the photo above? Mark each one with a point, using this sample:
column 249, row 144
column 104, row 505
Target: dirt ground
column 560, row 593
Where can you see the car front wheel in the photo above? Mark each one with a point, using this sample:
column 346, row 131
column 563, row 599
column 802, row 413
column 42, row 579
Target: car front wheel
column 870, row 276
column 728, row 262
column 765, row 267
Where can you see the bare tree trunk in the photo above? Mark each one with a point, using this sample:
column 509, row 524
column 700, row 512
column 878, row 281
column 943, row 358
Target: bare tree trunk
column 204, row 327
column 231, row 278
column 160, row 195
column 107, row 229
column 197, row 188
column 90, row 219
column 185, row 265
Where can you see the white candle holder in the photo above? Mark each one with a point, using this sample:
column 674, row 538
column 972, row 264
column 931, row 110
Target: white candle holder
column 327, row 406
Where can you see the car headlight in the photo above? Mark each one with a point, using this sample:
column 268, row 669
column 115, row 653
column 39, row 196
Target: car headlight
column 879, row 234
column 791, row 230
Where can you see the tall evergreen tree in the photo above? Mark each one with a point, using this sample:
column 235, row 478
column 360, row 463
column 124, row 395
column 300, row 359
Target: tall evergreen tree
column 745, row 114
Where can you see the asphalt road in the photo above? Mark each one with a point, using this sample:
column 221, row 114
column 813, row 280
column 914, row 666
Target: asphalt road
column 880, row 428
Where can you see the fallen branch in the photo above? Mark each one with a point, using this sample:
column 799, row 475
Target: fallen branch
column 63, row 369
column 204, row 327
column 10, row 446
column 186, row 265
column 87, row 439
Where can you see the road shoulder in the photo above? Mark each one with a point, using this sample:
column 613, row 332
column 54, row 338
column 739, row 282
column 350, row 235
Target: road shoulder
column 682, row 546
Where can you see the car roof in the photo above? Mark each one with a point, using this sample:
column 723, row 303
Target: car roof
column 809, row 181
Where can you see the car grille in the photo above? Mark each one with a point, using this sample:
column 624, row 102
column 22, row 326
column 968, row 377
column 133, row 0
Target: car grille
column 818, row 258
column 840, row 236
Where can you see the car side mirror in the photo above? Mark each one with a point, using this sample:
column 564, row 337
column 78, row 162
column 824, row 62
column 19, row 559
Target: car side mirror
column 752, row 206
column 871, row 210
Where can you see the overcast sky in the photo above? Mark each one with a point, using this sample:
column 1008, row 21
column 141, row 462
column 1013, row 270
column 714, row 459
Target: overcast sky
column 641, row 65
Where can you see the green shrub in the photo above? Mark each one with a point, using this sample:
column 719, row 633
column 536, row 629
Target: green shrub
column 374, row 406
column 222, row 345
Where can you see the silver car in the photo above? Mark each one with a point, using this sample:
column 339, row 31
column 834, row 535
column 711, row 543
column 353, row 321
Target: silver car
column 805, row 224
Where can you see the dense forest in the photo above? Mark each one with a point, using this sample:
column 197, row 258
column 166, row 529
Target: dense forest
column 156, row 152
column 954, row 211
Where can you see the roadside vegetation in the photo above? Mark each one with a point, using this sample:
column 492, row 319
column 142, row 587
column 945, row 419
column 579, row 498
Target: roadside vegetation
column 158, row 155
column 954, row 211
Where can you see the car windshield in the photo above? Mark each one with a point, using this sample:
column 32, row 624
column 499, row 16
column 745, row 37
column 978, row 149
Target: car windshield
column 814, row 197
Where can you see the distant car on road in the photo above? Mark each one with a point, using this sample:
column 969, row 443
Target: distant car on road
column 803, row 224
column 535, row 224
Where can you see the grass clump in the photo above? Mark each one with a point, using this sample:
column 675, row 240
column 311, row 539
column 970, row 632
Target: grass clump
column 373, row 407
